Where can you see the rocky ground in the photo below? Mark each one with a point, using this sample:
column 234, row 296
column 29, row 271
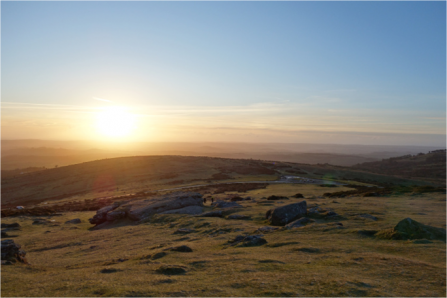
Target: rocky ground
column 281, row 240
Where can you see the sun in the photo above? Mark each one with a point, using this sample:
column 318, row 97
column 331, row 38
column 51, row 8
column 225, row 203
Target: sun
column 115, row 122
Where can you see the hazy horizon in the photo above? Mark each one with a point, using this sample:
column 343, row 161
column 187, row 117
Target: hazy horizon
column 366, row 73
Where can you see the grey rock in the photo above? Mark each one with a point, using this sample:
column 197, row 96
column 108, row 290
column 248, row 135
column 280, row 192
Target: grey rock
column 181, row 248
column 246, row 241
column 191, row 210
column 101, row 215
column 267, row 229
column 299, row 223
column 285, row 214
column 171, row 270
column 276, row 198
column 73, row 221
column 211, row 214
column 411, row 229
column 12, row 252
column 223, row 204
column 13, row 225
column 139, row 210
column 331, row 214
column 238, row 216
column 369, row 216
column 115, row 215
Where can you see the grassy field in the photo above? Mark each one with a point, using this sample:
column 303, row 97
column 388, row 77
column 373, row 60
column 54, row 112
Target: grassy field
column 320, row 259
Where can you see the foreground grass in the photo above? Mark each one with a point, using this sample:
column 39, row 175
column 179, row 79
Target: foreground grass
column 317, row 260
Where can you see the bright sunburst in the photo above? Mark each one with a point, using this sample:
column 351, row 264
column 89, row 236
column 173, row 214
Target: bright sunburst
column 115, row 122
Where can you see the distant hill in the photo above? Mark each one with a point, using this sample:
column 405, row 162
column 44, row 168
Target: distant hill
column 430, row 166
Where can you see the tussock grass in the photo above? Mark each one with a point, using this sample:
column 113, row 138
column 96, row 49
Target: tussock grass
column 316, row 260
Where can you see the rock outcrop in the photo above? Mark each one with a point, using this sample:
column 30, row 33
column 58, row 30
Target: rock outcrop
column 285, row 214
column 411, row 229
column 176, row 203
column 11, row 252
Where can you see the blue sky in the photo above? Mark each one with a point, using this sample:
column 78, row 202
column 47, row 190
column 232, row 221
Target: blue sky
column 242, row 69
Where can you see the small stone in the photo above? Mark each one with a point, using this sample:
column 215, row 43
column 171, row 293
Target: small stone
column 171, row 270
column 182, row 248
column 73, row 221
column 109, row 270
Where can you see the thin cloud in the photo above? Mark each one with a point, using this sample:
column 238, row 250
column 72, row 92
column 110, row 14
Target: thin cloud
column 101, row 99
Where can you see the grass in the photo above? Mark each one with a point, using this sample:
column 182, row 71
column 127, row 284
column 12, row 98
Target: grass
column 316, row 260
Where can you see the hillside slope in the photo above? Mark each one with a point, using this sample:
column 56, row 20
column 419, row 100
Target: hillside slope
column 430, row 166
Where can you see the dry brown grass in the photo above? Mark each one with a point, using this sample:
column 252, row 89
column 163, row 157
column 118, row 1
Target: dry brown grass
column 317, row 260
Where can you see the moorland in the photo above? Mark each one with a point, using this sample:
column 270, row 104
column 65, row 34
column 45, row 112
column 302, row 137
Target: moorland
column 349, row 244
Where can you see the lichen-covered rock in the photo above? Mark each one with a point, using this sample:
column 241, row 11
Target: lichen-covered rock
column 101, row 214
column 191, row 210
column 411, row 229
column 142, row 209
column 285, row 214
column 11, row 252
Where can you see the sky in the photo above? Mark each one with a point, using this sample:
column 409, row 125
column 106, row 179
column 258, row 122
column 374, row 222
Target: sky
column 292, row 72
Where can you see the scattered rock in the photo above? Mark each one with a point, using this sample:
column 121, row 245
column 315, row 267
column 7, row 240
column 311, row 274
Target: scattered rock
column 245, row 241
column 191, row 210
column 331, row 214
column 158, row 255
column 422, row 241
column 101, row 215
column 141, row 210
column 276, row 198
column 12, row 252
column 270, row 261
column 73, row 221
column 211, row 214
column 171, row 270
column 238, row 216
column 267, row 229
column 182, row 248
column 411, row 229
column 308, row 249
column 299, row 223
column 13, row 225
column 109, row 270
column 223, row 204
column 369, row 216
column 298, row 196
column 285, row 214
column 184, row 231
column 41, row 222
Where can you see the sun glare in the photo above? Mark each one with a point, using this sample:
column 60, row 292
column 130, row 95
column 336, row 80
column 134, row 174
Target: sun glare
column 115, row 122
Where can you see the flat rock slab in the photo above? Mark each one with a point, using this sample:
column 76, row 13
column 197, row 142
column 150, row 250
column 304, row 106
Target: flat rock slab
column 140, row 210
column 191, row 210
